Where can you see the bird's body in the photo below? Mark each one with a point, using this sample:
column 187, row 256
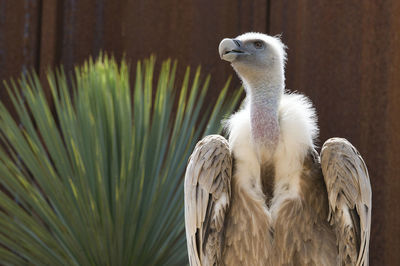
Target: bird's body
column 297, row 206
column 262, row 198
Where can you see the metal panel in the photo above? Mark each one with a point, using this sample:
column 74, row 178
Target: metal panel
column 19, row 31
column 345, row 55
column 189, row 31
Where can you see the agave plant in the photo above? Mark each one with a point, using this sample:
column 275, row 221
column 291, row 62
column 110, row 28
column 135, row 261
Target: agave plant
column 91, row 172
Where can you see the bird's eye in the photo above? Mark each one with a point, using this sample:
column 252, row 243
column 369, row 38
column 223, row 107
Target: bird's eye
column 258, row 44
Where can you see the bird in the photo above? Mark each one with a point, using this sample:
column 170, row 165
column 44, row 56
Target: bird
column 264, row 196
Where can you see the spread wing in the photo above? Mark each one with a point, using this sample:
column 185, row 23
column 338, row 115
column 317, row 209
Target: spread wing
column 207, row 197
column 349, row 192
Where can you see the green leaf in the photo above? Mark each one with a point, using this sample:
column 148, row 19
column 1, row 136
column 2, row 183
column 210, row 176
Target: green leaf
column 92, row 171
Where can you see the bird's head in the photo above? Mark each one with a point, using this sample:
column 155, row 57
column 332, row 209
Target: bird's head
column 255, row 56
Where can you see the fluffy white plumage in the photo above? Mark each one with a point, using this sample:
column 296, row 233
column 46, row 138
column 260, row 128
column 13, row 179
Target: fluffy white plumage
column 298, row 130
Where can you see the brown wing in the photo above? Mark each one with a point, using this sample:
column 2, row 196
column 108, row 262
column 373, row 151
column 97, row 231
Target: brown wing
column 207, row 197
column 349, row 193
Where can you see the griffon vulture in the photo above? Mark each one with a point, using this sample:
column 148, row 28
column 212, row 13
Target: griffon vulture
column 265, row 197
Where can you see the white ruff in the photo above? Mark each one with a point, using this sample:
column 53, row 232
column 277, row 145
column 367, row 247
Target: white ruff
column 298, row 129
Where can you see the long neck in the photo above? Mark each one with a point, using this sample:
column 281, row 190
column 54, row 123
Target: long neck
column 264, row 102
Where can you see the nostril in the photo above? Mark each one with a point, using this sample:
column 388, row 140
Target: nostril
column 237, row 43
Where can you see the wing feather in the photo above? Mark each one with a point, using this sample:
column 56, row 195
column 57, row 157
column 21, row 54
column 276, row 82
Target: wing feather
column 349, row 192
column 207, row 198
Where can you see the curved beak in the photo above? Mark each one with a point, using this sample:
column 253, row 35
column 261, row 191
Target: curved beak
column 230, row 49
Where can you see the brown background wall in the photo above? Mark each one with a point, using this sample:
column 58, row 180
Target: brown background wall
column 345, row 55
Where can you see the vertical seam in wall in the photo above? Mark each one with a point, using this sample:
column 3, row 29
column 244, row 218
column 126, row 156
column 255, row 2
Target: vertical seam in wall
column 39, row 37
column 59, row 34
column 239, row 25
column 98, row 40
column 3, row 57
column 268, row 26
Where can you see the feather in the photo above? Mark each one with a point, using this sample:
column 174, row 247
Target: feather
column 207, row 198
column 350, row 196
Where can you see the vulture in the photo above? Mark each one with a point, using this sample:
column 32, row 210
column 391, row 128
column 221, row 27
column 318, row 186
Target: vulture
column 265, row 196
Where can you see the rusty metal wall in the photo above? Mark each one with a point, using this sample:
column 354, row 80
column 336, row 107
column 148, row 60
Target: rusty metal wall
column 19, row 39
column 343, row 54
column 186, row 30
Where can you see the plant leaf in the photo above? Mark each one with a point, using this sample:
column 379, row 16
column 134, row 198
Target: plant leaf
column 94, row 175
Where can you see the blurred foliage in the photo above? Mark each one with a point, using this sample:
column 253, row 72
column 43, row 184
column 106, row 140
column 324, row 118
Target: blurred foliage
column 92, row 174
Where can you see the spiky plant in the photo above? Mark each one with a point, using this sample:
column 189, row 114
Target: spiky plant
column 92, row 174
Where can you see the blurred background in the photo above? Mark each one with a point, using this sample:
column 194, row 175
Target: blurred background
column 344, row 55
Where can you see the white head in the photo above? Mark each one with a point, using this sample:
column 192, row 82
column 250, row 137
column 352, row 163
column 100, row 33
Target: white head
column 258, row 59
